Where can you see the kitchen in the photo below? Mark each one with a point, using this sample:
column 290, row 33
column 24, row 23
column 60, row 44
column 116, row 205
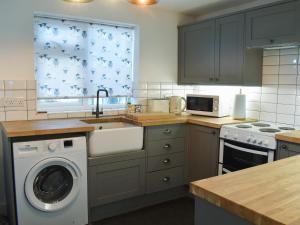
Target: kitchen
column 198, row 50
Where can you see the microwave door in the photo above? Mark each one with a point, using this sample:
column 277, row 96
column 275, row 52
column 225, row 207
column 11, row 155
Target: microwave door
column 200, row 104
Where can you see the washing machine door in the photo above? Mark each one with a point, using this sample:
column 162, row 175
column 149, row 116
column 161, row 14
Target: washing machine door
column 52, row 184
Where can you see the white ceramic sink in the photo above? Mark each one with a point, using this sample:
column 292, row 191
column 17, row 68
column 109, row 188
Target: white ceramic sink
column 115, row 137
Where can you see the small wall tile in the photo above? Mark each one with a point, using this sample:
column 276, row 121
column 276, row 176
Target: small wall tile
column 140, row 93
column 286, row 109
column 153, row 93
column 76, row 114
column 140, row 86
column 269, row 89
column 268, row 107
column 286, row 119
column 269, row 117
column 1, row 85
column 153, row 86
column 31, row 84
column 180, row 93
column 289, row 51
column 288, row 59
column 287, row 89
column 287, row 99
column 57, row 115
column 31, row 105
column 2, row 116
column 166, row 93
column 253, row 106
column 31, row 95
column 288, row 69
column 270, row 79
column 287, row 79
column 269, row 98
column 271, row 60
column 16, row 115
column 271, row 52
column 33, row 115
column 297, row 121
column 15, row 84
column 297, row 111
column 270, row 70
column 15, row 94
column 253, row 114
column 166, row 86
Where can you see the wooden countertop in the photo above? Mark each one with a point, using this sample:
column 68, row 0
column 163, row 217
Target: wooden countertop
column 264, row 195
column 44, row 127
column 154, row 119
column 291, row 136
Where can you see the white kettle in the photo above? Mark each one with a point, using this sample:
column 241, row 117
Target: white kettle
column 177, row 104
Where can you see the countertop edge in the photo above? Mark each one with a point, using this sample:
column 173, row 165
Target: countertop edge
column 232, row 207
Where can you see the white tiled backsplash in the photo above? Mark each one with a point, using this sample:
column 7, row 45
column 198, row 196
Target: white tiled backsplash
column 278, row 100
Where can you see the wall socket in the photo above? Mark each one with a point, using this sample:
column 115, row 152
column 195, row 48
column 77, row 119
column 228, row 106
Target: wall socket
column 14, row 102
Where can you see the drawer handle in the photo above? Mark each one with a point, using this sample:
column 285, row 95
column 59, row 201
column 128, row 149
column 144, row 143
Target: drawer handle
column 166, row 161
column 167, row 131
column 166, row 179
column 167, row 146
column 284, row 147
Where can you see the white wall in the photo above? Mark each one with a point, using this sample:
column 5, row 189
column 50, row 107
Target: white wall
column 158, row 34
column 158, row 37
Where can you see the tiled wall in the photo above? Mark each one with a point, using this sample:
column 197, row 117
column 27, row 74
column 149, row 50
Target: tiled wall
column 278, row 100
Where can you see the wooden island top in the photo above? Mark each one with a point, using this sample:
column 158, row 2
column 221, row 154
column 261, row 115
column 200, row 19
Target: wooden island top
column 59, row 126
column 264, row 195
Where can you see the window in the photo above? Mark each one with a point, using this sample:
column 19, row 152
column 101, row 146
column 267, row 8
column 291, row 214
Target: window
column 74, row 58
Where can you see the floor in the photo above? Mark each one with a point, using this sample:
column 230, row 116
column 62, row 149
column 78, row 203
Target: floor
column 176, row 212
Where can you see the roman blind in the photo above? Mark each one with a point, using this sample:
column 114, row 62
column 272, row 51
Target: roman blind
column 75, row 58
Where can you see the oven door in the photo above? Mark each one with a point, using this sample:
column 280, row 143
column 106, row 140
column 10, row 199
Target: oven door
column 236, row 156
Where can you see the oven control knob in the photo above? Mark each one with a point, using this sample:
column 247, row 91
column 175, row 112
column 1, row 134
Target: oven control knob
column 235, row 137
column 52, row 147
column 260, row 142
column 265, row 143
column 249, row 140
column 254, row 141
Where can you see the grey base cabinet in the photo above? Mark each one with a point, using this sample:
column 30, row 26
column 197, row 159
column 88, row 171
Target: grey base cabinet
column 287, row 149
column 165, row 148
column 202, row 153
column 115, row 180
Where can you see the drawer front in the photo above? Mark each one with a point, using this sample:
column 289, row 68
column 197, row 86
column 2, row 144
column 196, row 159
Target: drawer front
column 286, row 146
column 162, row 180
column 162, row 162
column 165, row 146
column 165, row 132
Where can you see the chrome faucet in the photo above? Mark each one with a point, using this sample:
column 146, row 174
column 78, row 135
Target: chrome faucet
column 98, row 112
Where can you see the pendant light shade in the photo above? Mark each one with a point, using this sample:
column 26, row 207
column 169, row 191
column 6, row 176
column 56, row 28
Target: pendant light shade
column 78, row 1
column 143, row 2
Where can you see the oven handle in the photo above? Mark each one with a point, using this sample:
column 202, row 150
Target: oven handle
column 246, row 150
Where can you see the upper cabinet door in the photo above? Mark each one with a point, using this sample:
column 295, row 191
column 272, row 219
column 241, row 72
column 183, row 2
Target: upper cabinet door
column 229, row 50
column 196, row 53
column 274, row 25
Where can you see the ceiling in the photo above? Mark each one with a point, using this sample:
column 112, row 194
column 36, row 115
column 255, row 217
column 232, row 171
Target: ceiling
column 200, row 7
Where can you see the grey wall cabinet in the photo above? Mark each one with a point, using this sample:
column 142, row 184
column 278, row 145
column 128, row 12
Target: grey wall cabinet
column 274, row 25
column 196, row 53
column 232, row 63
column 203, row 152
column 116, row 180
column 287, row 149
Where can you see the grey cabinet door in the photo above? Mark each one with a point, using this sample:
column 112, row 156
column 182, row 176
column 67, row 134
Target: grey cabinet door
column 274, row 25
column 116, row 181
column 287, row 149
column 229, row 50
column 196, row 53
column 203, row 152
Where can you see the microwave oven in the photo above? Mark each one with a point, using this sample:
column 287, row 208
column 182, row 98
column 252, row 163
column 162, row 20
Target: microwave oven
column 207, row 105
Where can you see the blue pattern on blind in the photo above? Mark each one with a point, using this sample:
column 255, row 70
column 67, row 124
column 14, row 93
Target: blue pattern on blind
column 74, row 58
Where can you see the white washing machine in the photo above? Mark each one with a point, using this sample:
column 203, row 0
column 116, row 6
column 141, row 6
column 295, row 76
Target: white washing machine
column 51, row 182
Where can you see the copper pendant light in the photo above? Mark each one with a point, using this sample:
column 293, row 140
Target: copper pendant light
column 143, row 2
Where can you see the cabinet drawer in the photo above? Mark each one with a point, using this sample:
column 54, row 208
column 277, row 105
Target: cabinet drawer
column 286, row 146
column 165, row 161
column 165, row 132
column 165, row 179
column 165, row 146
column 104, row 181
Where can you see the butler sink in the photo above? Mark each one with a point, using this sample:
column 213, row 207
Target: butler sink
column 114, row 137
